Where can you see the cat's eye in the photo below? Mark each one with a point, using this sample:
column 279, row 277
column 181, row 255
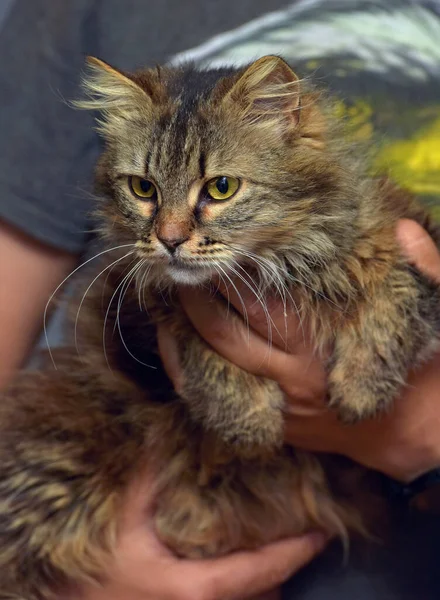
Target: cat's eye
column 222, row 188
column 142, row 188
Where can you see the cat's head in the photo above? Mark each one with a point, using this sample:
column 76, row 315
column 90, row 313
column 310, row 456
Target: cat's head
column 207, row 170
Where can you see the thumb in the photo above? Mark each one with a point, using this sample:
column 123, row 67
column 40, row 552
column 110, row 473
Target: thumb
column 247, row 574
column 419, row 248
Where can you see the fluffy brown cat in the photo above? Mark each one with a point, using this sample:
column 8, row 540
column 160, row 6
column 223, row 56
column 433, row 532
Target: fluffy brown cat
column 216, row 173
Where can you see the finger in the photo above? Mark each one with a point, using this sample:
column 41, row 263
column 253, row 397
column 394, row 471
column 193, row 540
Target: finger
column 419, row 247
column 170, row 356
column 247, row 574
column 231, row 338
column 272, row 317
column 139, row 497
column 135, row 526
column 320, row 431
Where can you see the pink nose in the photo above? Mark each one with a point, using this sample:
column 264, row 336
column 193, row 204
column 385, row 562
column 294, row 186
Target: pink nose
column 172, row 234
column 172, row 243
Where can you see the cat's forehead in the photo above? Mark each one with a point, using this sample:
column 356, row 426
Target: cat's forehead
column 184, row 134
column 178, row 147
column 189, row 132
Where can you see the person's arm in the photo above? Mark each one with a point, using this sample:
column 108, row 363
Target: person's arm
column 29, row 272
column 47, row 151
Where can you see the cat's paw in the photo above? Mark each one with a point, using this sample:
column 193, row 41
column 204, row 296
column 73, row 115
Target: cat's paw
column 257, row 429
column 256, row 435
column 354, row 403
column 246, row 417
column 348, row 413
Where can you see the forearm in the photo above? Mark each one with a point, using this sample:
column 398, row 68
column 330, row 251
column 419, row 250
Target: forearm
column 29, row 272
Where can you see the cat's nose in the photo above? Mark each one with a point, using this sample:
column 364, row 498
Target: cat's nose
column 172, row 233
column 172, row 243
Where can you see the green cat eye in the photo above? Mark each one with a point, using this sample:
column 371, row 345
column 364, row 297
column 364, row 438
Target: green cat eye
column 142, row 188
column 222, row 188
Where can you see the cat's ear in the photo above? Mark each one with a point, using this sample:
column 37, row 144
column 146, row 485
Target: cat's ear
column 268, row 92
column 115, row 95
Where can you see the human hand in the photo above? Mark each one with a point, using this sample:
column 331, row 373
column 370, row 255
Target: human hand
column 404, row 443
column 143, row 569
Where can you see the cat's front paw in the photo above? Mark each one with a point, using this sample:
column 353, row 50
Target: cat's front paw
column 258, row 433
column 349, row 412
column 246, row 417
column 357, row 400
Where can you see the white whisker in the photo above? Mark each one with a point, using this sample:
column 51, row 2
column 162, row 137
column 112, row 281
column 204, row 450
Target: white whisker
column 258, row 295
column 262, row 303
column 276, row 278
column 111, row 265
column 107, row 314
column 127, row 284
column 144, row 287
column 122, row 293
column 227, row 290
column 139, row 283
column 63, row 282
column 243, row 306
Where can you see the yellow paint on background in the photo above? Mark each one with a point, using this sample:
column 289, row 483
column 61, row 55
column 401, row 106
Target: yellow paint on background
column 415, row 162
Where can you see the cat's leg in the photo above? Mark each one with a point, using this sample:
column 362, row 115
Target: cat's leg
column 393, row 331
column 242, row 409
column 64, row 462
